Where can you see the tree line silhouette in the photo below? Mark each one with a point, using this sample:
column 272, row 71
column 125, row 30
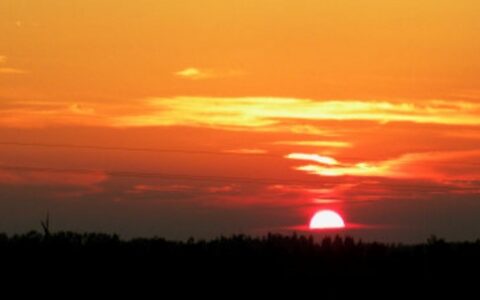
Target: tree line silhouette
column 340, row 265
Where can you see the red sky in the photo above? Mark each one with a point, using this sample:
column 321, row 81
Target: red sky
column 201, row 118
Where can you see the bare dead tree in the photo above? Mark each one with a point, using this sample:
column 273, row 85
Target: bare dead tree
column 46, row 225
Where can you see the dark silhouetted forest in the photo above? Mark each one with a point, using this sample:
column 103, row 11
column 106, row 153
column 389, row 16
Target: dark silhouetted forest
column 335, row 267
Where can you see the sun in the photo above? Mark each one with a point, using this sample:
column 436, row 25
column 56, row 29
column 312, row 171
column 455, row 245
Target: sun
column 326, row 219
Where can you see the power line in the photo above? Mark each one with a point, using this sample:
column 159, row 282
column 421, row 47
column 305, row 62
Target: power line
column 183, row 151
column 157, row 175
column 247, row 180
column 130, row 149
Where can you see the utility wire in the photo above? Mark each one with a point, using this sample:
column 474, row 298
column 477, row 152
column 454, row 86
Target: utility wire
column 181, row 151
column 248, row 180
column 130, row 149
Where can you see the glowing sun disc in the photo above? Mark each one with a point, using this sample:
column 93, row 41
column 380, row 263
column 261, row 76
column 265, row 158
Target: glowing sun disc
column 326, row 219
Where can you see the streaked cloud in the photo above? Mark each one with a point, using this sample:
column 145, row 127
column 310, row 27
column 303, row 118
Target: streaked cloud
column 360, row 169
column 326, row 201
column 9, row 70
column 296, row 116
column 32, row 114
column 328, row 144
column 194, row 74
column 12, row 71
column 221, row 189
column 142, row 188
column 246, row 151
column 274, row 112
column 199, row 74
column 21, row 177
column 440, row 166
column 324, row 160
column 81, row 109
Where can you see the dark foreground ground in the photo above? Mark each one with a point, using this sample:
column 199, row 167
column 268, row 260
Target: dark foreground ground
column 336, row 267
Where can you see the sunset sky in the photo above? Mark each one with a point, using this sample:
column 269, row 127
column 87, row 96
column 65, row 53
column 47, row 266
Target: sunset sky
column 183, row 118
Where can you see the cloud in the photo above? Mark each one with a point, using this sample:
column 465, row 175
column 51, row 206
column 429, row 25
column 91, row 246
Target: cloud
column 326, row 201
column 194, row 74
column 82, row 109
column 17, row 176
column 297, row 116
column 324, row 160
column 9, row 70
column 38, row 114
column 436, row 166
column 327, row 144
column 221, row 189
column 12, row 71
column 199, row 74
column 170, row 188
column 246, row 151
column 360, row 169
column 275, row 113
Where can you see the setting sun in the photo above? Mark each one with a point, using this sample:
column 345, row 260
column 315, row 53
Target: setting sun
column 326, row 219
column 236, row 143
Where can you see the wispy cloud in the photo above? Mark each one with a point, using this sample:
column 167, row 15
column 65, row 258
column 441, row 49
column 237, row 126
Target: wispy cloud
column 26, row 114
column 12, row 71
column 328, row 144
column 297, row 116
column 246, row 151
column 360, row 169
column 221, row 189
column 199, row 74
column 448, row 165
column 41, row 177
column 324, row 160
column 276, row 112
column 9, row 70
column 194, row 74
column 172, row 188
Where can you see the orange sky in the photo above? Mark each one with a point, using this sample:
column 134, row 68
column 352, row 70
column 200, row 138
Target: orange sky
column 111, row 50
column 269, row 110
